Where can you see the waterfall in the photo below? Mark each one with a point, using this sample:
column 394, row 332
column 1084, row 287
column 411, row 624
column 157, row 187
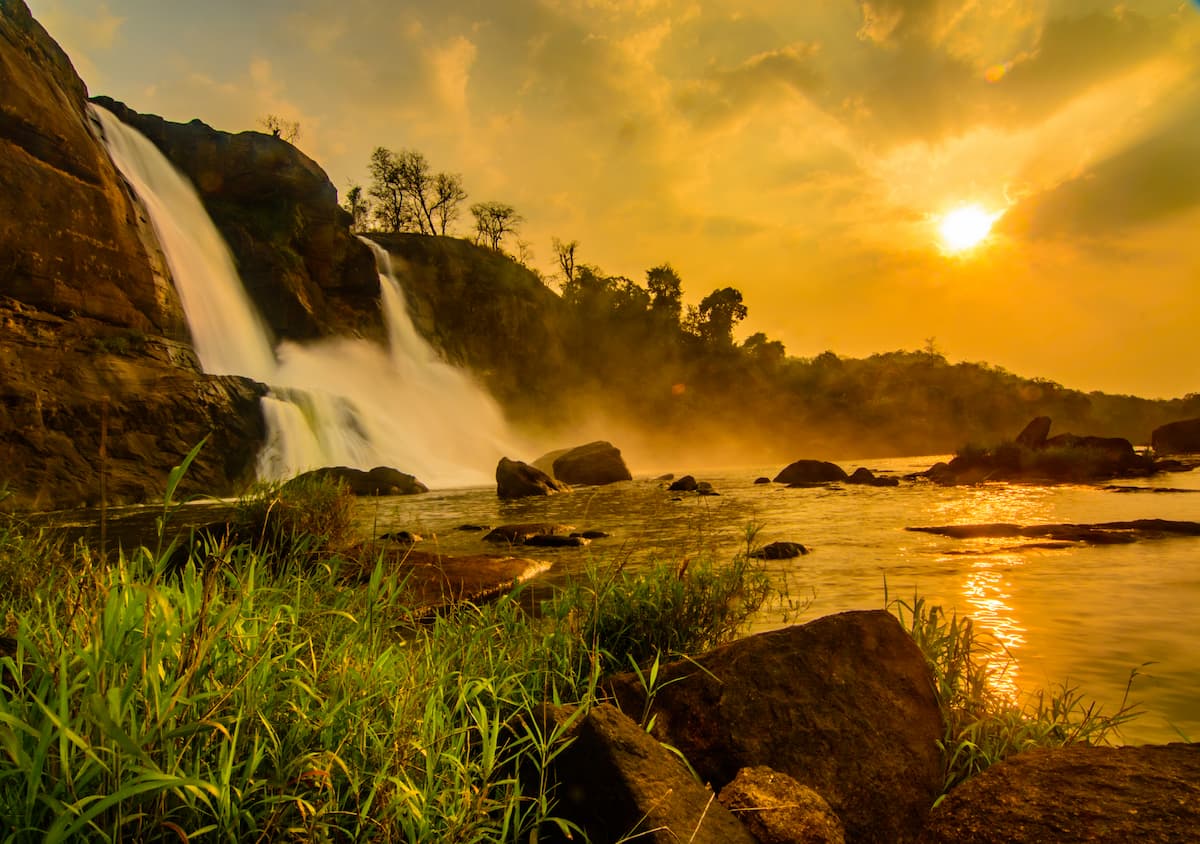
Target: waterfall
column 227, row 333
column 332, row 402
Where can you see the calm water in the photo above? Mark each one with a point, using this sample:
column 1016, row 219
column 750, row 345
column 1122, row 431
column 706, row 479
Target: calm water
column 1082, row 615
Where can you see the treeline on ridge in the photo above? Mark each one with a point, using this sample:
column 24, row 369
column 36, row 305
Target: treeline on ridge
column 619, row 352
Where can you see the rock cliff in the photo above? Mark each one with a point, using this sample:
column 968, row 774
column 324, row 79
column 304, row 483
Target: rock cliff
column 92, row 337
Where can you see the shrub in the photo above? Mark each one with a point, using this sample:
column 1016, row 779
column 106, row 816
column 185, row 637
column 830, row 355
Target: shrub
column 661, row 611
column 296, row 522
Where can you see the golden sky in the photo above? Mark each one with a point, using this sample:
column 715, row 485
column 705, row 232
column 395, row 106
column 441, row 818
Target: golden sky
column 803, row 152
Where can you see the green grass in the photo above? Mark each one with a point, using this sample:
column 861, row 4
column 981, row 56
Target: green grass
column 230, row 697
column 983, row 725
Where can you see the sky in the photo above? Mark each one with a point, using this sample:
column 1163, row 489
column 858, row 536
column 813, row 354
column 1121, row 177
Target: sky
column 807, row 154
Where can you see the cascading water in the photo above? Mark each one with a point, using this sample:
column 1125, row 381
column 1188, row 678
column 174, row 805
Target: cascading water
column 335, row 402
column 227, row 333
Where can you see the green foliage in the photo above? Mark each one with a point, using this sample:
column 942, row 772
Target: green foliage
column 983, row 725
column 296, row 522
column 233, row 704
column 27, row 559
column 661, row 611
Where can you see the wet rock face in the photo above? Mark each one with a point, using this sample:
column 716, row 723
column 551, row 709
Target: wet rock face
column 278, row 212
column 1076, row 794
column 844, row 705
column 70, row 242
column 93, row 342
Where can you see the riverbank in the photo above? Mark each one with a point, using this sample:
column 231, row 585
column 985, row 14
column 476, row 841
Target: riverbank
column 275, row 685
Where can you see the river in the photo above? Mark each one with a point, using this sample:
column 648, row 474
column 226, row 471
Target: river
column 1083, row 615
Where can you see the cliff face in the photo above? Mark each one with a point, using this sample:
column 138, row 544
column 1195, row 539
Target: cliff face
column 278, row 212
column 91, row 332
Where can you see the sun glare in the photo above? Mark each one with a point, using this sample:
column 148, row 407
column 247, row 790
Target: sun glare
column 965, row 227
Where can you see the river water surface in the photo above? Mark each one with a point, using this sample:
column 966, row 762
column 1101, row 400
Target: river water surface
column 1083, row 615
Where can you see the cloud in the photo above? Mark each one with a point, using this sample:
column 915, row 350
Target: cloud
column 450, row 69
column 725, row 94
column 1146, row 182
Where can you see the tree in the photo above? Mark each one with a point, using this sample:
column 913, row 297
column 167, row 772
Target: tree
column 357, row 206
column 448, row 195
column 287, row 130
column 410, row 197
column 494, row 220
column 565, row 255
column 718, row 313
column 766, row 352
column 666, row 292
column 387, row 187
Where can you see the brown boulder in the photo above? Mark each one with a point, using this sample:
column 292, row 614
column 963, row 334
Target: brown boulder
column 843, row 704
column 1071, row 794
column 778, row 810
column 1034, row 434
column 615, row 780
column 381, row 480
column 1182, row 437
column 593, row 464
column 515, row 479
column 779, row 551
column 520, row 534
column 811, row 472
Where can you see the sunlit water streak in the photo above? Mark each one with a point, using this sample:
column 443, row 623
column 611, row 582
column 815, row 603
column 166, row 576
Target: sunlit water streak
column 1081, row 615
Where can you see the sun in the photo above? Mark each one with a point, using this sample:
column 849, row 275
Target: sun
column 965, row 227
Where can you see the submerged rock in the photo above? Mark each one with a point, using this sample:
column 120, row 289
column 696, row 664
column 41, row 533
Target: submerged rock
column 865, row 477
column 515, row 479
column 1102, row 533
column 779, row 551
column 520, row 534
column 811, row 472
column 382, row 480
column 685, row 484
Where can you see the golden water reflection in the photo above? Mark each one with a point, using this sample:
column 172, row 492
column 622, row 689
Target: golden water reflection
column 990, row 606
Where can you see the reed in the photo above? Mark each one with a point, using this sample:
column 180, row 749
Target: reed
column 984, row 725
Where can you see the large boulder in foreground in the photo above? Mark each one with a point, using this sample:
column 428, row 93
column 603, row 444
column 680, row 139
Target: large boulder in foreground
column 515, row 479
column 811, row 472
column 1182, row 437
column 843, row 704
column 615, row 780
column 1072, row 794
column 593, row 464
column 778, row 810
